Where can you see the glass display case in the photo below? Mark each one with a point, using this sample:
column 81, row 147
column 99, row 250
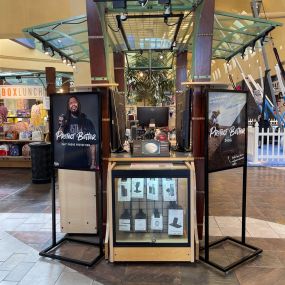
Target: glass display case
column 151, row 209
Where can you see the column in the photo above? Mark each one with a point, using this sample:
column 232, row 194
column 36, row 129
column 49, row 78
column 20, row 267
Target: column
column 201, row 71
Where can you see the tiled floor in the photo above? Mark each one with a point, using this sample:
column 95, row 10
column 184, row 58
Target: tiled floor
column 25, row 225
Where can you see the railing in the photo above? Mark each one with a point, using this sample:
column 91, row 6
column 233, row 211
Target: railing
column 265, row 145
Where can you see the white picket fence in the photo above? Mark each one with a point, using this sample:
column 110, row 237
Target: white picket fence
column 266, row 145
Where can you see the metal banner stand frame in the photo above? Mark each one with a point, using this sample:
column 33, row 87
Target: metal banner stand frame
column 255, row 251
column 68, row 237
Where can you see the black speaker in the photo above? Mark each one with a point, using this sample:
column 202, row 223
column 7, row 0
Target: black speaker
column 119, row 4
column 164, row 2
column 134, row 132
column 186, row 129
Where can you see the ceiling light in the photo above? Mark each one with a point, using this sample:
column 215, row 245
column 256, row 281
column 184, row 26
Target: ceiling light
column 143, row 2
column 19, row 78
column 123, row 16
column 161, row 56
column 141, row 74
column 167, row 11
column 68, row 62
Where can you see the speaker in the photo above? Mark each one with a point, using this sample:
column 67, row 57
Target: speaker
column 186, row 129
column 164, row 2
column 134, row 132
column 119, row 4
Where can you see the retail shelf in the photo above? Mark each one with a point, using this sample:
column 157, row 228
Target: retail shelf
column 18, row 117
column 15, row 161
column 18, row 141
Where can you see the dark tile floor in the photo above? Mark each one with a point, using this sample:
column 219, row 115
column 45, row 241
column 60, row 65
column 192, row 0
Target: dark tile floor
column 265, row 200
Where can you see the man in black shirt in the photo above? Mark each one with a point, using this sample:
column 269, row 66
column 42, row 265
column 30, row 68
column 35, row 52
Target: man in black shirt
column 77, row 133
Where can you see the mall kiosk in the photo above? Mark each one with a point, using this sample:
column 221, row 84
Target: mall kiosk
column 151, row 208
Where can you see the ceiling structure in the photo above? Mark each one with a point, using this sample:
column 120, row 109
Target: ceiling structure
column 66, row 39
column 31, row 78
column 151, row 29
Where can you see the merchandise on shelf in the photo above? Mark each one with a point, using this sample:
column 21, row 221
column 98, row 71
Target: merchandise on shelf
column 38, row 113
column 4, row 150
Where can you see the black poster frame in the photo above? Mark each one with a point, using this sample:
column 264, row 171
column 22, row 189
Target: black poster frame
column 255, row 251
column 48, row 252
column 52, row 122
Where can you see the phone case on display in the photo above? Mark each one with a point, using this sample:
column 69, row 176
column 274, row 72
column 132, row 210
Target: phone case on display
column 26, row 150
column 4, row 150
column 14, row 150
column 11, row 135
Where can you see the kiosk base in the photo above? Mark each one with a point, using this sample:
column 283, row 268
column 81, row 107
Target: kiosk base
column 225, row 269
column 48, row 252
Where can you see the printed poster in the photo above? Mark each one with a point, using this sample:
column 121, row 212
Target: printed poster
column 76, row 121
column 226, row 129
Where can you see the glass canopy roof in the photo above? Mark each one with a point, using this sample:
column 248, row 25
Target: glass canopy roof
column 147, row 28
column 66, row 39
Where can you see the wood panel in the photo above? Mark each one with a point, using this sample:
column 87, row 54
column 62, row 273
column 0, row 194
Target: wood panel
column 17, row 161
column 152, row 254
column 77, row 196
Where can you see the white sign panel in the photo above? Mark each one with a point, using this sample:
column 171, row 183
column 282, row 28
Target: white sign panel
column 22, row 91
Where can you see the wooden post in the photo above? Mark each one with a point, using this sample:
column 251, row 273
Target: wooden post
column 98, row 67
column 201, row 71
column 65, row 84
column 119, row 70
column 51, row 80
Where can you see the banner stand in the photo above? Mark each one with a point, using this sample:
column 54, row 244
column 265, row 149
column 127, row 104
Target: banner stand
column 71, row 238
column 254, row 251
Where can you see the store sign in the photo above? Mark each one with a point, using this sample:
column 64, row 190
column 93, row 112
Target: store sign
column 227, row 118
column 76, row 132
column 21, row 92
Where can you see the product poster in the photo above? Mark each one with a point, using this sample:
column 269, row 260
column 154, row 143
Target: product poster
column 75, row 123
column 156, row 221
column 175, row 222
column 124, row 189
column 226, row 129
column 169, row 189
column 152, row 189
column 138, row 188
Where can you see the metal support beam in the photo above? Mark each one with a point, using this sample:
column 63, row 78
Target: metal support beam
column 267, row 69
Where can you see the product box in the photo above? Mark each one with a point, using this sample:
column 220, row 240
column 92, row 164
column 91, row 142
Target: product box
column 175, row 222
column 124, row 189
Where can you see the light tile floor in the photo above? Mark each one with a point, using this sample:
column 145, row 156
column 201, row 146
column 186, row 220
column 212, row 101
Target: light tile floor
column 21, row 265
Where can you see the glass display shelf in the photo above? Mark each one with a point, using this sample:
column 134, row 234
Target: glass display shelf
column 151, row 204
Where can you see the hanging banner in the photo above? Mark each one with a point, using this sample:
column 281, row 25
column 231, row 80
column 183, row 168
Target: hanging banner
column 227, row 116
column 22, row 92
column 76, row 121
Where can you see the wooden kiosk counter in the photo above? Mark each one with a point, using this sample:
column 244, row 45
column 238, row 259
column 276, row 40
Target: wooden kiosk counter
column 151, row 208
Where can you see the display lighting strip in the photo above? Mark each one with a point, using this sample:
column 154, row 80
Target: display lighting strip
column 49, row 49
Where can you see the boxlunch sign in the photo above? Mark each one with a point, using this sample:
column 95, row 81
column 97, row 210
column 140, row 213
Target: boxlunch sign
column 21, row 91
